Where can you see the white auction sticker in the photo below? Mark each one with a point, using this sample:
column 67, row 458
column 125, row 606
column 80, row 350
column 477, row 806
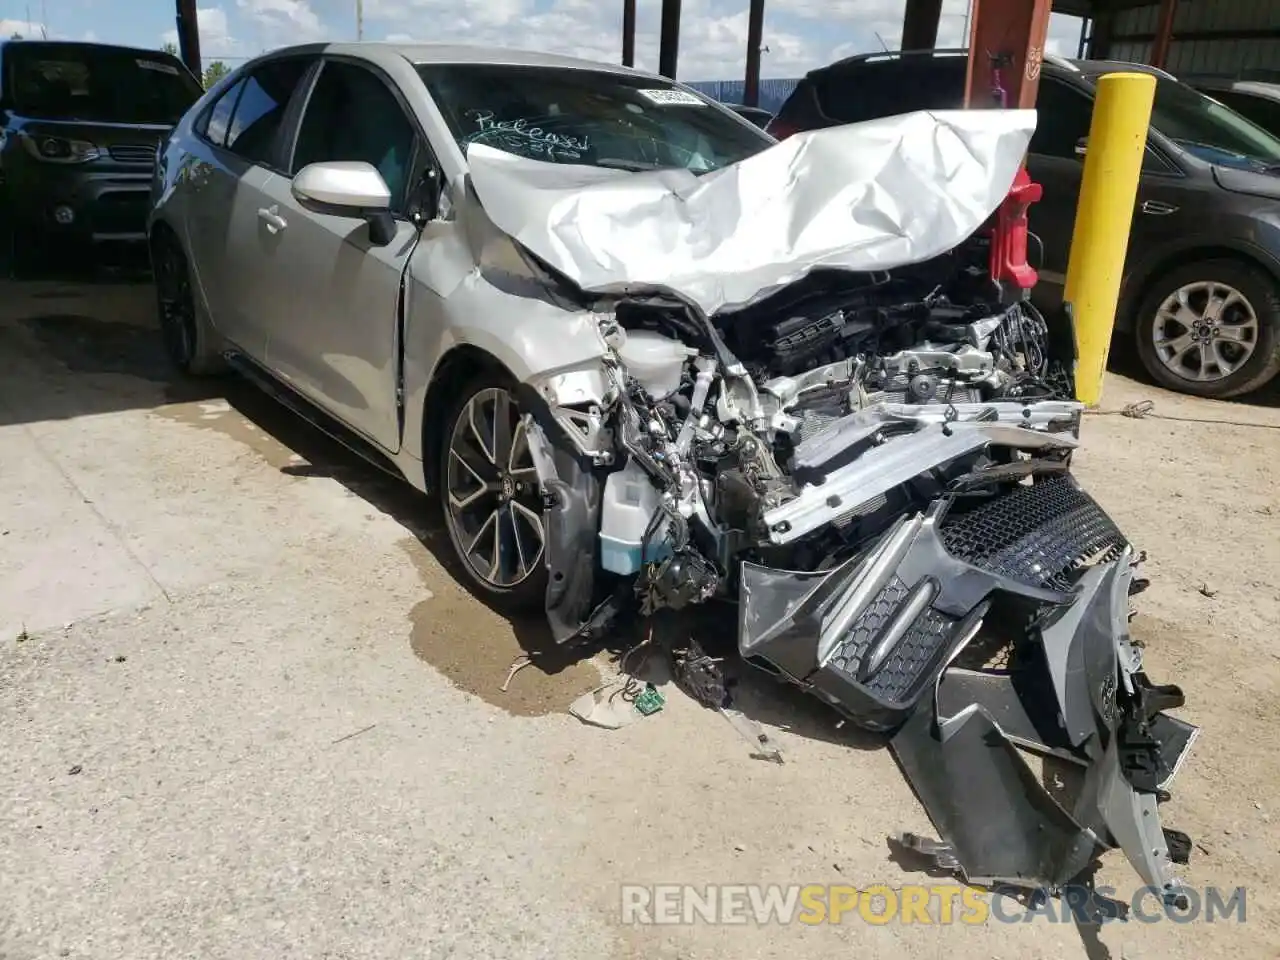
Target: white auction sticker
column 672, row 98
column 162, row 67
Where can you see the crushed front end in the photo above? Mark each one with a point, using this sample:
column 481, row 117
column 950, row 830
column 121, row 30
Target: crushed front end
column 872, row 461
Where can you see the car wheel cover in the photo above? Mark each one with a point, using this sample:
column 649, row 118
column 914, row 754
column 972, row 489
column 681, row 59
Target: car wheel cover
column 493, row 501
column 1205, row 331
column 177, row 309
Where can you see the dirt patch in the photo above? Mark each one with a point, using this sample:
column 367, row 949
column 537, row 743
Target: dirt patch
column 474, row 647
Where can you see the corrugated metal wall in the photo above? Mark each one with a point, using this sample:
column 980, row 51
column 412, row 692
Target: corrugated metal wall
column 1227, row 57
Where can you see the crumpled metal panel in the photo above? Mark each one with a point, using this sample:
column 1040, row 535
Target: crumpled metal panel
column 866, row 196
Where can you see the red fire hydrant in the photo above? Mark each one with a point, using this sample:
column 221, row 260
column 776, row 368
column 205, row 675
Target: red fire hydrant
column 1008, row 260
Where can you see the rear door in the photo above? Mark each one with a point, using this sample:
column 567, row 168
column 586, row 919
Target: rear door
column 254, row 138
column 244, row 127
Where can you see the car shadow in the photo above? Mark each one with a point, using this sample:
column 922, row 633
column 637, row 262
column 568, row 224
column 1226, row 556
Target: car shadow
column 754, row 693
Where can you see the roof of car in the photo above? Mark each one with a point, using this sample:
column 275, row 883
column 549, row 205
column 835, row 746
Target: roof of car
column 423, row 53
column 37, row 43
column 1096, row 68
column 1087, row 69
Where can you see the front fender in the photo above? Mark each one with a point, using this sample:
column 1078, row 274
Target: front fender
column 452, row 303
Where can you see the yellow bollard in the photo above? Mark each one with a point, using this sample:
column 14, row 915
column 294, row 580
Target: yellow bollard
column 1108, row 191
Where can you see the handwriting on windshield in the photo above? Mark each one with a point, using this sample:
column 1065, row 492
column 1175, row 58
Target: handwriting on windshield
column 526, row 136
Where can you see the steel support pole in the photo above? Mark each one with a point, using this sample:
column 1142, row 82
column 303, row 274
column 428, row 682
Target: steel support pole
column 755, row 38
column 628, row 33
column 1164, row 33
column 1007, row 36
column 189, row 36
column 920, row 24
column 669, row 39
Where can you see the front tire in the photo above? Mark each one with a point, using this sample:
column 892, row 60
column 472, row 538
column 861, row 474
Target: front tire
column 1211, row 329
column 490, row 496
column 189, row 341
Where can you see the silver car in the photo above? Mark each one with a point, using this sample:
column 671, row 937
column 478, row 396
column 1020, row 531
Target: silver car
column 645, row 357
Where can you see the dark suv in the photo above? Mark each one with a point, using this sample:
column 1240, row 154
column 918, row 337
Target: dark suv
column 79, row 127
column 1201, row 288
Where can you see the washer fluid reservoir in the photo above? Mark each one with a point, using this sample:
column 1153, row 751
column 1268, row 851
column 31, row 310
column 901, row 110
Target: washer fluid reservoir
column 657, row 362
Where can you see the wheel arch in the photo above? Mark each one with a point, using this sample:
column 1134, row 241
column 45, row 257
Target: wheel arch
column 459, row 365
column 1150, row 273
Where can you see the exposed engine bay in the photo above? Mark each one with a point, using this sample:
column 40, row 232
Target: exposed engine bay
column 881, row 483
column 856, row 438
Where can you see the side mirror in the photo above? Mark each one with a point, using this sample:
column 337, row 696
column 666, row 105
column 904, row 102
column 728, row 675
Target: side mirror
column 350, row 188
column 1082, row 146
column 346, row 184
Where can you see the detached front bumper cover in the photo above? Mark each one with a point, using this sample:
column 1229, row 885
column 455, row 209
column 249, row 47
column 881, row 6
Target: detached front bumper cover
column 883, row 637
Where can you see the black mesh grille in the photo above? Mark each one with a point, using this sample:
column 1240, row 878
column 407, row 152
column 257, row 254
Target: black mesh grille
column 910, row 658
column 1039, row 535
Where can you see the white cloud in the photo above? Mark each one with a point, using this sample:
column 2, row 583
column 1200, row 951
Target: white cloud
column 798, row 34
column 215, row 35
column 284, row 21
column 31, row 30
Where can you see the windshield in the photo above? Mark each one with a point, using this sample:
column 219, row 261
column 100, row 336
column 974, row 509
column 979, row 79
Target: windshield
column 1209, row 129
column 102, row 84
column 587, row 117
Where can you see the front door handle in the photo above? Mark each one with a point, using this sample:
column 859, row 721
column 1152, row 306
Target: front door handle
column 271, row 217
column 1157, row 207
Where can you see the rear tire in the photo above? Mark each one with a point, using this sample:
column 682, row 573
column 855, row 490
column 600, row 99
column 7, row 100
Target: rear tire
column 190, row 342
column 490, row 496
column 1210, row 329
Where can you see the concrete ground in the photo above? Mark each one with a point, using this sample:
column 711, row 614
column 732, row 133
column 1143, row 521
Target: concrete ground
column 247, row 712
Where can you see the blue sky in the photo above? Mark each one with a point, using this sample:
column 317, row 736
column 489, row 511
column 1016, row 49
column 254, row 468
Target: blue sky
column 799, row 34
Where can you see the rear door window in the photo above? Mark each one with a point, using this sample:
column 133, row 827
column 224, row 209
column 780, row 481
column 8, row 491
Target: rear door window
column 868, row 91
column 260, row 108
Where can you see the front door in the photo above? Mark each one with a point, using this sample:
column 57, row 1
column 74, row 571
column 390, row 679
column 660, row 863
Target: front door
column 334, row 306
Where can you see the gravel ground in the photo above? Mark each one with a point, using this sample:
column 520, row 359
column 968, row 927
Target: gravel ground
column 247, row 711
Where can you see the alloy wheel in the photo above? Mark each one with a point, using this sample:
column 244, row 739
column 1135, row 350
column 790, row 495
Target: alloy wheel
column 494, row 505
column 177, row 308
column 1205, row 331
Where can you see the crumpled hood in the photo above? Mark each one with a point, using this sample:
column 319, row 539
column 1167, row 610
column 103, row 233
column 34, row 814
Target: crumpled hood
column 865, row 196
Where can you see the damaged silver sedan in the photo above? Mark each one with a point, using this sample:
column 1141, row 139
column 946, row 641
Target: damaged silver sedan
column 648, row 358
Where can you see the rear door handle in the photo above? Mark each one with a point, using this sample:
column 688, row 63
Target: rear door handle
column 1157, row 208
column 271, row 217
